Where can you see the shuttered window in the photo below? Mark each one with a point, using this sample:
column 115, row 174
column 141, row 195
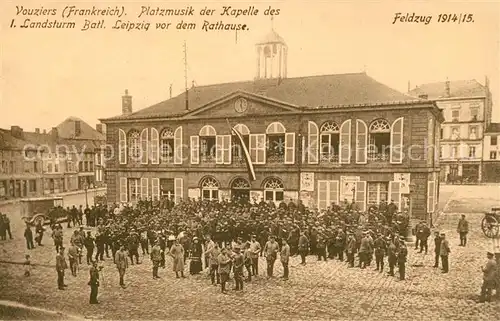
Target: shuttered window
column 144, row 188
column 123, row 190
column 122, row 146
column 144, row 146
column 289, row 148
column 155, row 189
column 258, row 148
column 360, row 197
column 223, row 149
column 179, row 189
column 328, row 193
column 312, row 143
column 178, row 145
column 195, row 150
column 431, row 196
column 345, row 142
column 397, row 141
column 395, row 193
column 361, row 142
column 155, row 146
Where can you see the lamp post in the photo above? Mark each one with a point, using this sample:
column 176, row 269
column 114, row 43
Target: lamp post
column 85, row 188
column 409, row 229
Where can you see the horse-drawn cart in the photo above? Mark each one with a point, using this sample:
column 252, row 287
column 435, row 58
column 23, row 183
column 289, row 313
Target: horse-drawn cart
column 490, row 223
column 43, row 210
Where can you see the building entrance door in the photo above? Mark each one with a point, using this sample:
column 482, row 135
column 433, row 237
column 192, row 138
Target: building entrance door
column 240, row 190
column 470, row 173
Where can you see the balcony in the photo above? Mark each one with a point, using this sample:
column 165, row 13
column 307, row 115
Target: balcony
column 328, row 159
column 378, row 157
column 207, row 159
column 275, row 159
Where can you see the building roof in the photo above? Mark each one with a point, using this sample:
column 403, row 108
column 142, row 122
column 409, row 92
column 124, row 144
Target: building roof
column 309, row 92
column 493, row 128
column 66, row 129
column 271, row 37
column 458, row 88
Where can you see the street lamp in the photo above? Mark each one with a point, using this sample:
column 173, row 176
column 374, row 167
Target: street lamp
column 85, row 188
column 409, row 229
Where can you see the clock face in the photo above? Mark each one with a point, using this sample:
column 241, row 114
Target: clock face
column 241, row 105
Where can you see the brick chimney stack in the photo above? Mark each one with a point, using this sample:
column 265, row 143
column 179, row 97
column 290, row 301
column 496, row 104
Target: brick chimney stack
column 54, row 133
column 37, row 130
column 126, row 103
column 16, row 131
column 78, row 128
column 447, row 88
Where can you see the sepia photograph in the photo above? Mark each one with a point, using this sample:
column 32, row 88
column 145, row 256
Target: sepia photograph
column 218, row 160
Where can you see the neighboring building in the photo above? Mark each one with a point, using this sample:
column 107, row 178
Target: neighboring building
column 35, row 164
column 320, row 139
column 85, row 158
column 467, row 108
column 491, row 153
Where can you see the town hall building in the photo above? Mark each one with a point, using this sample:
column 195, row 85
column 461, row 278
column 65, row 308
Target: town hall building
column 320, row 139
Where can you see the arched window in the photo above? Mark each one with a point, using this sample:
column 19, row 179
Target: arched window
column 209, row 189
column 238, row 153
column 273, row 190
column 240, row 183
column 380, row 140
column 330, row 139
column 134, row 146
column 207, row 143
column 167, row 145
column 275, row 143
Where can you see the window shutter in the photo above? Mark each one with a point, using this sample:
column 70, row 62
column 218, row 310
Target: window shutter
column 261, row 149
column 253, row 148
column 312, row 143
column 123, row 190
column 397, row 141
column 155, row 189
column 178, row 145
column 289, row 148
column 322, row 194
column 155, row 146
column 178, row 189
column 333, row 193
column 361, row 195
column 345, row 142
column 431, row 196
column 361, row 142
column 195, row 150
column 395, row 193
column 226, row 153
column 219, row 153
column 144, row 146
column 144, row 188
column 122, row 146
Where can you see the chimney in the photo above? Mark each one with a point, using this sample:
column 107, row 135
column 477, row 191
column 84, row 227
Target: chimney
column 37, row 130
column 409, row 86
column 78, row 128
column 44, row 131
column 98, row 127
column 55, row 133
column 126, row 103
column 170, row 89
column 447, row 88
column 16, row 131
column 423, row 96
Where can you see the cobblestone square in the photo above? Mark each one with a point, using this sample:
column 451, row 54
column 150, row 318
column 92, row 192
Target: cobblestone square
column 317, row 290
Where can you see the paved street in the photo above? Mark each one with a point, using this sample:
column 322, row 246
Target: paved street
column 317, row 290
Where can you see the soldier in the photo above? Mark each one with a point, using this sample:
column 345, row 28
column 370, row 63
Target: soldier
column 270, row 251
column 133, row 246
column 77, row 238
column 303, row 247
column 94, row 283
column 462, row 230
column 121, row 263
column 321, row 247
column 380, row 249
column 156, row 258
column 209, row 245
column 417, row 234
column 285, row 257
column 6, row 223
column 39, row 229
column 61, row 265
column 364, row 251
column 352, row 247
column 392, row 252
column 28, row 235
column 424, row 232
column 223, row 261
column 57, row 235
column 144, row 242
column 73, row 254
column 444, row 251
column 340, row 241
column 437, row 248
column 402, row 254
column 214, row 263
column 238, row 262
column 177, row 253
column 99, row 242
column 489, row 276
column 247, row 258
column 162, row 242
column 88, row 242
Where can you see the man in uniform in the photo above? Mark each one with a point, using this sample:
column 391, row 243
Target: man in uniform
column 223, row 261
column 88, row 242
column 284, row 258
column 73, row 254
column 402, row 254
column 380, row 249
column 213, row 262
column 424, row 232
column 133, row 246
column 437, row 248
column 462, row 230
column 303, row 247
column 364, row 250
column 270, row 251
column 94, row 283
column 444, row 251
column 121, row 263
column 352, row 248
column 489, row 276
column 238, row 268
column 156, row 259
column 392, row 255
column 321, row 247
column 61, row 265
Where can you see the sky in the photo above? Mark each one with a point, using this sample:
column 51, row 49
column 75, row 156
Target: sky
column 48, row 75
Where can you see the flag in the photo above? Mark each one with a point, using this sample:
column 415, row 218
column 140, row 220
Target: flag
column 248, row 160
